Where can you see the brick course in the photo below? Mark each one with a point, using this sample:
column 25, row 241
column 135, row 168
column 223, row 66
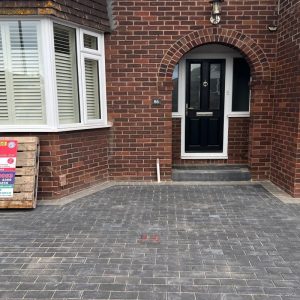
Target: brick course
column 285, row 167
column 238, row 144
column 80, row 156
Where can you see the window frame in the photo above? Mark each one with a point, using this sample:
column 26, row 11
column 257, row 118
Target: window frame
column 242, row 113
column 84, row 98
column 54, row 81
column 229, row 79
column 47, row 54
column 181, row 90
column 89, row 50
column 43, row 59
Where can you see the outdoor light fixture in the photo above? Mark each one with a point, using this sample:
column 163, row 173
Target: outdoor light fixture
column 216, row 11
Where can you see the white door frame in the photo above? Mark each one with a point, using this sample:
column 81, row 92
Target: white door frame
column 228, row 57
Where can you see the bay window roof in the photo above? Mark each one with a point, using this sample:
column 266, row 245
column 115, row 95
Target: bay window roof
column 93, row 13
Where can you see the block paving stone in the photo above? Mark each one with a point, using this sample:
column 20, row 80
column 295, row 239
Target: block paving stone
column 164, row 242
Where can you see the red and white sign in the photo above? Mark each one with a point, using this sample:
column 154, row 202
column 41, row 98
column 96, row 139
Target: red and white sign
column 8, row 148
column 7, row 163
column 8, row 158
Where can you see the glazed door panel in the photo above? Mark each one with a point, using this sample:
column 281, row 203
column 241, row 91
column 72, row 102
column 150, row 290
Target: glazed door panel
column 204, row 105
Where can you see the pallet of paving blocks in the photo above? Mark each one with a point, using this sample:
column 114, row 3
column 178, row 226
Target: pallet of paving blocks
column 19, row 181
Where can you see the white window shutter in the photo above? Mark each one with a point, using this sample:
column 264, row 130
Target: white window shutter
column 4, row 115
column 66, row 74
column 25, row 79
column 92, row 89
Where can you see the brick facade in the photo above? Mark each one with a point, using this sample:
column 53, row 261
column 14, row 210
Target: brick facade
column 149, row 39
column 285, row 167
column 238, row 144
column 71, row 161
column 90, row 13
column 78, row 158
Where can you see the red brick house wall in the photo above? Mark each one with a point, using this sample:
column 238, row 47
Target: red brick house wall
column 71, row 161
column 149, row 39
column 238, row 144
column 285, row 167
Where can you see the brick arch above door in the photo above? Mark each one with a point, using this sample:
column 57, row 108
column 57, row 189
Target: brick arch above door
column 257, row 60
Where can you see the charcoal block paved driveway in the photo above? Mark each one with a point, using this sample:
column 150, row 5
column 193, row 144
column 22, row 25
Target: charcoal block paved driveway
column 154, row 242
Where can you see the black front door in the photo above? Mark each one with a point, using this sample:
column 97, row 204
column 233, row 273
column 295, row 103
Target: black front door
column 204, row 105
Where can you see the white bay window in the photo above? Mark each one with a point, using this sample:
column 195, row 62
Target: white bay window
column 52, row 77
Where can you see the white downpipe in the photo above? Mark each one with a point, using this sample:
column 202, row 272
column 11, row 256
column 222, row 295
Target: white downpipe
column 158, row 170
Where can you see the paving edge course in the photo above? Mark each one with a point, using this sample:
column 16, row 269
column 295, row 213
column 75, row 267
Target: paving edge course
column 269, row 186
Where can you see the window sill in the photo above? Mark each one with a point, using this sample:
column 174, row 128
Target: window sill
column 204, row 156
column 50, row 129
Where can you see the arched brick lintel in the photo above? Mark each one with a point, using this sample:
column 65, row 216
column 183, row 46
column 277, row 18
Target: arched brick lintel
column 257, row 60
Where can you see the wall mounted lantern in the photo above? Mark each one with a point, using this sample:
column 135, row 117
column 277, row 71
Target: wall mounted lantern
column 216, row 11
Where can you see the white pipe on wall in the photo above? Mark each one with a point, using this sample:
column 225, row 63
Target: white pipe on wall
column 158, row 170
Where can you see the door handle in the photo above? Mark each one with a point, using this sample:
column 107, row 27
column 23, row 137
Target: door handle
column 204, row 113
column 187, row 110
